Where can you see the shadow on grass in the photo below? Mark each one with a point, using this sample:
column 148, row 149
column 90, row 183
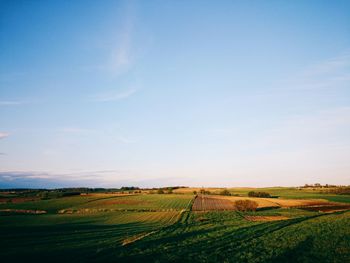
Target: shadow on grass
column 80, row 241
column 209, row 243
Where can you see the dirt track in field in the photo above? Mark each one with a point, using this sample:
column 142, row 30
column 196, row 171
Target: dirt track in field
column 206, row 203
column 265, row 218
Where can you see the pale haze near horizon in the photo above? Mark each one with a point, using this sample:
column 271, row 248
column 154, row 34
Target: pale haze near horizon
column 158, row 93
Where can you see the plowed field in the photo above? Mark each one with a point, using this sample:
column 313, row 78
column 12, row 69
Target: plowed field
column 206, row 203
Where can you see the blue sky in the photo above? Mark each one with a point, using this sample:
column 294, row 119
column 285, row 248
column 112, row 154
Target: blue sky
column 155, row 93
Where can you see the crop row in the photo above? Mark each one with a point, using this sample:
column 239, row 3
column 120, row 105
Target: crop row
column 206, row 203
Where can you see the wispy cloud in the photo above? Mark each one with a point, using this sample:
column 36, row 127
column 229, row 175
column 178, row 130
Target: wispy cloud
column 4, row 135
column 121, row 58
column 74, row 130
column 331, row 73
column 114, row 95
column 329, row 65
column 11, row 102
column 125, row 140
column 98, row 178
column 324, row 127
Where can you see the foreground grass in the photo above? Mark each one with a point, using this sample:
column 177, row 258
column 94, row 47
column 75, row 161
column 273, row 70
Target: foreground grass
column 162, row 228
column 228, row 237
column 56, row 236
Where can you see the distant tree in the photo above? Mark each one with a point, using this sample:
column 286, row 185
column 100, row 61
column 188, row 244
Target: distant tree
column 44, row 195
column 170, row 190
column 129, row 188
column 344, row 190
column 225, row 192
column 160, row 191
column 259, row 194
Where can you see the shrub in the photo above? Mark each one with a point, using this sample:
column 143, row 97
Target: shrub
column 225, row 192
column 194, row 192
column 259, row 194
column 160, row 191
column 204, row 192
column 246, row 205
column 338, row 191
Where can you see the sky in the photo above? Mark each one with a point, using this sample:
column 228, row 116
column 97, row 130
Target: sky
column 158, row 93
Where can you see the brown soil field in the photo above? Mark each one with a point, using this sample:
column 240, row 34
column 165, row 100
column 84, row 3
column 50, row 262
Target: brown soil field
column 277, row 202
column 217, row 202
column 17, row 200
column 262, row 202
column 265, row 218
column 208, row 203
column 297, row 202
column 22, row 211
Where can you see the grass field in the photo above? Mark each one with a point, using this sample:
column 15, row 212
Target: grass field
column 176, row 227
column 282, row 192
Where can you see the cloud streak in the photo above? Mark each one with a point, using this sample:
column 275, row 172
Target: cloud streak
column 115, row 95
column 331, row 73
column 121, row 58
column 4, row 135
column 11, row 102
column 42, row 179
column 76, row 130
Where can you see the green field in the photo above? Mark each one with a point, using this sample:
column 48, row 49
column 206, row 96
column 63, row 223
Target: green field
column 163, row 228
column 295, row 193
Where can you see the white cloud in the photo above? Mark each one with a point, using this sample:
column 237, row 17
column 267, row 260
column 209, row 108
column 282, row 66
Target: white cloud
column 121, row 58
column 4, row 135
column 99, row 178
column 10, row 102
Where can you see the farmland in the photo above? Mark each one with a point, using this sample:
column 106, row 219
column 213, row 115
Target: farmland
column 176, row 227
column 206, row 203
